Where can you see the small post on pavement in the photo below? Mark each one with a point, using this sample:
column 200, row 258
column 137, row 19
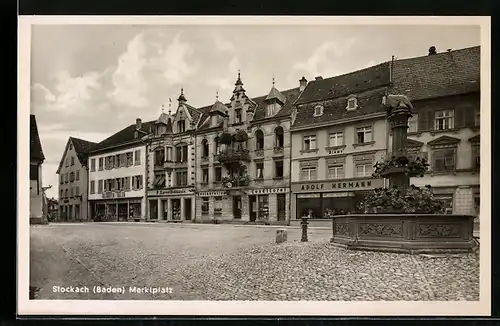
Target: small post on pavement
column 304, row 228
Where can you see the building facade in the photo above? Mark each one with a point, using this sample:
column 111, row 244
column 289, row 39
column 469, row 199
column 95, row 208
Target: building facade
column 37, row 198
column 338, row 133
column 243, row 157
column 444, row 89
column 73, row 180
column 171, row 164
column 117, row 173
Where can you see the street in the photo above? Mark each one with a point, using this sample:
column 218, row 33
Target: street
column 227, row 262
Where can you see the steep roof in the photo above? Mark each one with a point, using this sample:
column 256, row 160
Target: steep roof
column 82, row 149
column 289, row 97
column 162, row 119
column 36, row 152
column 275, row 94
column 344, row 85
column 443, row 74
column 123, row 136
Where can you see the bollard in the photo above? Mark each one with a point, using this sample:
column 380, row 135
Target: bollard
column 304, row 229
column 281, row 236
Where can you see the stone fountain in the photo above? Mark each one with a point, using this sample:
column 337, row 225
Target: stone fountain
column 399, row 231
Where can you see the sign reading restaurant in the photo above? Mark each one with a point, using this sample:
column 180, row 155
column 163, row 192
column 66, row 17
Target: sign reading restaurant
column 352, row 184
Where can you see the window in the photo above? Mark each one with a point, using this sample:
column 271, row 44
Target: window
column 263, row 207
column 181, row 126
column 72, row 177
column 259, row 139
column 204, row 148
column 309, row 142
column 364, row 135
column 182, row 154
column 72, row 161
column 218, row 205
column 62, row 193
column 218, row 174
column 137, row 160
column 477, row 117
column 204, row 174
column 92, row 165
column 447, row 201
column 443, row 159
column 101, row 163
column 335, row 172
column 137, row 182
column 99, row 186
column 205, row 205
column 61, row 178
column 336, row 139
column 159, row 156
column 92, row 187
column 169, row 157
column 237, row 116
column 308, row 173
column 129, row 158
column 444, row 120
column 77, row 190
column 352, row 103
column 318, row 110
column 259, row 170
column 66, row 178
column 67, row 195
column 181, row 178
column 413, row 123
column 66, row 161
column 278, row 169
column 280, row 138
column 476, row 153
column 159, row 181
column 364, row 170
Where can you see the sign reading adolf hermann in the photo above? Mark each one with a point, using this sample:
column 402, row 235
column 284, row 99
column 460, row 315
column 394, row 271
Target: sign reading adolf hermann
column 357, row 184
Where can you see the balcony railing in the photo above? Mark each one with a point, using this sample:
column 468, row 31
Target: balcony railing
column 233, row 155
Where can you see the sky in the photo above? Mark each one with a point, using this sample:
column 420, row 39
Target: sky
column 90, row 81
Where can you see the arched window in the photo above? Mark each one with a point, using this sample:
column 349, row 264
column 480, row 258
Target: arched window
column 259, row 139
column 204, row 148
column 216, row 145
column 280, row 137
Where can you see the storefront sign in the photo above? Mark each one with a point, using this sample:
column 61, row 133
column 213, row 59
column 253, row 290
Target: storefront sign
column 358, row 184
column 170, row 192
column 338, row 194
column 266, row 191
column 212, row 193
column 110, row 194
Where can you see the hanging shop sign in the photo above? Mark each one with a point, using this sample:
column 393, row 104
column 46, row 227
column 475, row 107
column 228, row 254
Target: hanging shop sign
column 267, row 191
column 357, row 184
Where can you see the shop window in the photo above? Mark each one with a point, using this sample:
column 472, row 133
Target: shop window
column 218, row 205
column 336, row 139
column 181, row 178
column 309, row 204
column 259, row 170
column 92, row 187
column 263, row 207
column 278, row 169
column 205, row 205
column 364, row 170
column 444, row 119
column 364, row 135
column 308, row 173
column 443, row 159
column 259, row 140
column 335, row 171
column 218, row 174
column 309, row 142
column 204, row 173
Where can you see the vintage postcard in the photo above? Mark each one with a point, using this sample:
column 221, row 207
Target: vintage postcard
column 212, row 165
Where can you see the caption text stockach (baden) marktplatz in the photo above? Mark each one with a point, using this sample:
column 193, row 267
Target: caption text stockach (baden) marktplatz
column 96, row 289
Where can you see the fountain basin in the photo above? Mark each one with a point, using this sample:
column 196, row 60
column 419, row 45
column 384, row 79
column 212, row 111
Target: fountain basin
column 405, row 233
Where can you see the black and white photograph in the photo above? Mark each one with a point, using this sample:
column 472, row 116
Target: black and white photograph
column 254, row 165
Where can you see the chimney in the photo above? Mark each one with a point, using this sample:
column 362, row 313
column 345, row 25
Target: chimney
column 319, row 78
column 432, row 50
column 138, row 124
column 302, row 83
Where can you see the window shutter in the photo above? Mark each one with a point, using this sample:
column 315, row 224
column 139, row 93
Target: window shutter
column 470, row 116
column 140, row 182
column 459, row 118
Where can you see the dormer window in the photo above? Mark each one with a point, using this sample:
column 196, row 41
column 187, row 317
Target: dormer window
column 318, row 110
column 237, row 116
column 272, row 109
column 181, row 126
column 352, row 103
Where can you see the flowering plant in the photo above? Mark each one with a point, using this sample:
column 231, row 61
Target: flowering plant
column 411, row 168
column 226, row 138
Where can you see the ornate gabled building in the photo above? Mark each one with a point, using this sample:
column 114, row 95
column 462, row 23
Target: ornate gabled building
column 444, row 89
column 243, row 170
column 73, row 174
column 171, row 164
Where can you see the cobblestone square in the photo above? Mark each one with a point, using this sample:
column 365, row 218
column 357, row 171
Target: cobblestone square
column 224, row 262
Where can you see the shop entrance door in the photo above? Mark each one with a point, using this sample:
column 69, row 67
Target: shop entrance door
column 236, row 206
column 122, row 212
column 153, row 209
column 187, row 209
column 253, row 208
column 281, row 198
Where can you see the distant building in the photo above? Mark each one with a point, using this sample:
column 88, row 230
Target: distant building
column 53, row 209
column 245, row 180
column 37, row 198
column 444, row 89
column 73, row 180
column 171, row 164
column 117, row 172
column 338, row 131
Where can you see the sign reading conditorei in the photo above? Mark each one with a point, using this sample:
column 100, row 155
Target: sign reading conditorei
column 266, row 191
column 341, row 185
column 215, row 193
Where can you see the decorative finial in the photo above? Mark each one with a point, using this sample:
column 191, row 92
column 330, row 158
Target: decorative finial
column 238, row 74
column 182, row 90
column 273, row 78
column 169, row 106
column 162, row 108
column 217, row 95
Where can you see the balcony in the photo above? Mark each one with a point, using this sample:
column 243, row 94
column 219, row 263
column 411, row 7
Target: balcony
column 235, row 181
column 169, row 165
column 279, row 151
column 233, row 155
